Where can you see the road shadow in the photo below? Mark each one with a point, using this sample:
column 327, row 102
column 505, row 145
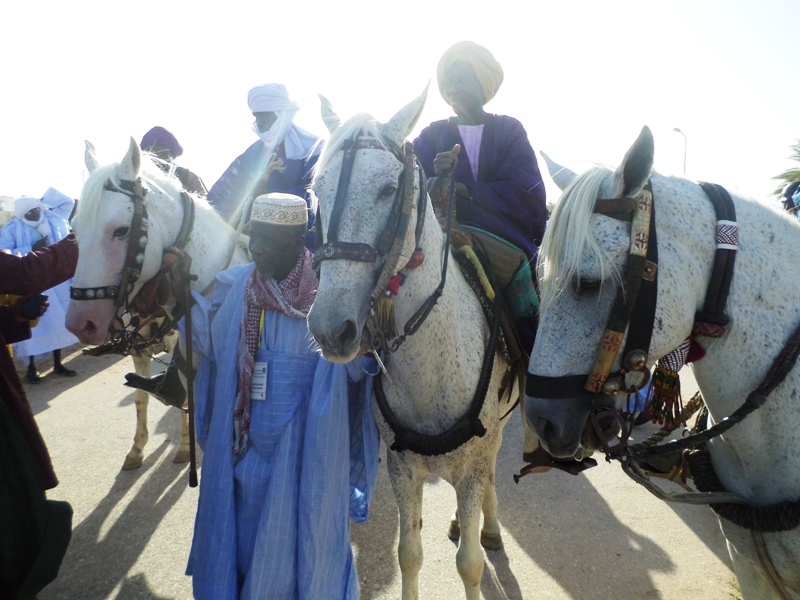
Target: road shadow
column 51, row 386
column 100, row 556
column 569, row 530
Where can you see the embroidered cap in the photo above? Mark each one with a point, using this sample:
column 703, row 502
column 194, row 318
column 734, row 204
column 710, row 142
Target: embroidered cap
column 278, row 209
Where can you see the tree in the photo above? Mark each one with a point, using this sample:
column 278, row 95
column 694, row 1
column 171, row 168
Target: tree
column 792, row 174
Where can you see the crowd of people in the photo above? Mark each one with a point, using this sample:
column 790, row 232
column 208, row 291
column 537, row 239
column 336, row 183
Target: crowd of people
column 290, row 444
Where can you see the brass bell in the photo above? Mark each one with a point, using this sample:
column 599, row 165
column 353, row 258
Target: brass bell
column 613, row 385
column 636, row 360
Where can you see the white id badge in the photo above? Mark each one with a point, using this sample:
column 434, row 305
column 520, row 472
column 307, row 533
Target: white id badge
column 258, row 390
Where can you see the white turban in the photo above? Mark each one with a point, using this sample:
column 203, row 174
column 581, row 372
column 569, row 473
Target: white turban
column 273, row 97
column 25, row 204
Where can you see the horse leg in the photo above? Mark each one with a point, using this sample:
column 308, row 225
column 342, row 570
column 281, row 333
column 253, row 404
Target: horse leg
column 133, row 460
column 173, row 344
column 491, row 538
column 407, row 488
column 182, row 453
column 469, row 557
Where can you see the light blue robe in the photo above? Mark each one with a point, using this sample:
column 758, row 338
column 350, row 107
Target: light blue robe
column 276, row 524
column 51, row 332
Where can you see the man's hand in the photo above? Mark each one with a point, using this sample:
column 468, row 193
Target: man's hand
column 39, row 244
column 30, row 308
column 180, row 266
column 445, row 162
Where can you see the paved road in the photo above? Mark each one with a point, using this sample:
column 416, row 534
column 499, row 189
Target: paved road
column 591, row 537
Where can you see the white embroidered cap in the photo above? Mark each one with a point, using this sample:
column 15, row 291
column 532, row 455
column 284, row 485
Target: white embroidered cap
column 279, row 209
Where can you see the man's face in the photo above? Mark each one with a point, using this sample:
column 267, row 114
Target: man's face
column 265, row 120
column 275, row 249
column 462, row 87
column 33, row 214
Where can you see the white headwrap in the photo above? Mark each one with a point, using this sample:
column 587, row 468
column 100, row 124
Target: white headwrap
column 25, row 204
column 273, row 97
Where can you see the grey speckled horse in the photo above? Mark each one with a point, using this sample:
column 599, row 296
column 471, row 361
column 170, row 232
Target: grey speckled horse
column 581, row 258
column 432, row 377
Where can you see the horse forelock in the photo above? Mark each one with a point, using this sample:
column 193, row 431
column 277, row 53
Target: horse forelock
column 359, row 125
column 569, row 239
column 87, row 218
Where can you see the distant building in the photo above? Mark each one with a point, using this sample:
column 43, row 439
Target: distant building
column 6, row 209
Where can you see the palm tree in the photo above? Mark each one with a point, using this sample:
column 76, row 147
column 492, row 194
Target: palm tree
column 792, row 174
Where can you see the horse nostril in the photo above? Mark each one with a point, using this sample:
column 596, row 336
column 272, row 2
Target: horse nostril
column 347, row 333
column 90, row 328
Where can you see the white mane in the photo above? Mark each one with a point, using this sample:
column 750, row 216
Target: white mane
column 568, row 236
column 363, row 124
column 153, row 179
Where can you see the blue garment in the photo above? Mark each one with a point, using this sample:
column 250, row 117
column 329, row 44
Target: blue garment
column 229, row 191
column 51, row 332
column 276, row 524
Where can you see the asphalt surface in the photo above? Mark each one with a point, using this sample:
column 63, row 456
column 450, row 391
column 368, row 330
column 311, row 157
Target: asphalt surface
column 588, row 537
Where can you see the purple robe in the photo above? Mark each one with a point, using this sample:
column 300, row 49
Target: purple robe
column 509, row 195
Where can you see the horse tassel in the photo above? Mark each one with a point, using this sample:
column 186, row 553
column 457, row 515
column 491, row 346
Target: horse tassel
column 384, row 317
column 665, row 405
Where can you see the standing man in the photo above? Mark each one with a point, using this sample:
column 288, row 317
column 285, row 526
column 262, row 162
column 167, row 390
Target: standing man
column 290, row 445
column 34, row 531
column 298, row 149
column 38, row 223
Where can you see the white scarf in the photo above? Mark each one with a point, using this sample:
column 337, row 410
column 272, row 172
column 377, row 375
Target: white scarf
column 273, row 97
column 23, row 206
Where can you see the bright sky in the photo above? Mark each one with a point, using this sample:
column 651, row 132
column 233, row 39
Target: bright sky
column 583, row 76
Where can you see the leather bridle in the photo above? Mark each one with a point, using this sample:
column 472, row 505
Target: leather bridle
column 137, row 243
column 633, row 310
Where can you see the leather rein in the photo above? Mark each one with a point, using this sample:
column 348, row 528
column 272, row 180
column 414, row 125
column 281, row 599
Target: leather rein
column 390, row 245
column 134, row 258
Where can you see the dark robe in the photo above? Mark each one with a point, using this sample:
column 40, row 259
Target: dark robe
column 34, row 531
column 509, row 196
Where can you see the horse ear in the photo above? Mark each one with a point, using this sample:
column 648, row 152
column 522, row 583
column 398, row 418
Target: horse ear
column 130, row 165
column 329, row 117
column 561, row 175
column 400, row 125
column 633, row 173
column 90, row 156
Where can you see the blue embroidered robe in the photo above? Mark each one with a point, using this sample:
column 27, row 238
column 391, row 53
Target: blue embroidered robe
column 276, row 524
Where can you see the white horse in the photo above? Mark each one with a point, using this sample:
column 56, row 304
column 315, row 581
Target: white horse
column 431, row 378
column 103, row 228
column 581, row 259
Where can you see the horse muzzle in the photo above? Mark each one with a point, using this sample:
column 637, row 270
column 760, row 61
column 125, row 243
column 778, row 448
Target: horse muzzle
column 564, row 425
column 338, row 335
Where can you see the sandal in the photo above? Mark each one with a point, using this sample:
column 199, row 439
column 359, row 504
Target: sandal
column 33, row 377
column 62, row 370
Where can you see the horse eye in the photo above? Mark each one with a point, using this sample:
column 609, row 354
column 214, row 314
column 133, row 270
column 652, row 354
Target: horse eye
column 121, row 232
column 388, row 191
column 587, row 286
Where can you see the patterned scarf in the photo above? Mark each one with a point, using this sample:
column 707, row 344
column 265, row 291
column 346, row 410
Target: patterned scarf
column 292, row 297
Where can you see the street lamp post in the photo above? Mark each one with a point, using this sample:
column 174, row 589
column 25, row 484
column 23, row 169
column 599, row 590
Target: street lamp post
column 685, row 143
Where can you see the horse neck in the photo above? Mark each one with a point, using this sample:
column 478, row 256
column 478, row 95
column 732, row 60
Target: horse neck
column 763, row 314
column 210, row 246
column 455, row 327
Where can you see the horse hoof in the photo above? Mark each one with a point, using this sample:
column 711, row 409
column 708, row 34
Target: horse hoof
column 454, row 532
column 132, row 462
column 491, row 541
column 181, row 456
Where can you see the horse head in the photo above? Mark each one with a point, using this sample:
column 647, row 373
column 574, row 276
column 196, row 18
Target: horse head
column 582, row 263
column 360, row 182
column 104, row 227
